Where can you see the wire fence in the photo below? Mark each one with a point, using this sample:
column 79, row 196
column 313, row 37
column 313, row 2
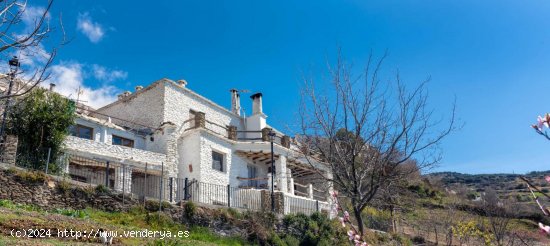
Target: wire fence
column 152, row 182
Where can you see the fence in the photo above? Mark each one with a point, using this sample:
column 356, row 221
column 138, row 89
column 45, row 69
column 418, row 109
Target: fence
column 150, row 182
column 294, row 205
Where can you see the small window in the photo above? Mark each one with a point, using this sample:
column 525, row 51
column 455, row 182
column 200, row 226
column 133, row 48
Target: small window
column 217, row 161
column 123, row 141
column 82, row 132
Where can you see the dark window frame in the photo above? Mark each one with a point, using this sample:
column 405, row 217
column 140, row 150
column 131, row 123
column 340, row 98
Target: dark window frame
column 122, row 141
column 221, row 166
column 76, row 131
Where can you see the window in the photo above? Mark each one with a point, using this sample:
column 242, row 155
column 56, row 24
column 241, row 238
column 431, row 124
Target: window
column 123, row 141
column 217, row 161
column 82, row 132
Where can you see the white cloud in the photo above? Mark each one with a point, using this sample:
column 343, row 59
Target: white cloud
column 31, row 16
column 104, row 74
column 69, row 78
column 93, row 30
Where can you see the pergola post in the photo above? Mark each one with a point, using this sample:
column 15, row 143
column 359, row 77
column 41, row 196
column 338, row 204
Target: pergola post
column 281, row 174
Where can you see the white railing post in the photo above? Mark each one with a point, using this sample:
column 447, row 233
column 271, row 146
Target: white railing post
column 310, row 191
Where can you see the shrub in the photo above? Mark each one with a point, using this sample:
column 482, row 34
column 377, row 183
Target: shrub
column 418, row 240
column 401, row 240
column 102, row 189
column 32, row 177
column 316, row 229
column 11, row 170
column 159, row 220
column 189, row 210
column 63, row 186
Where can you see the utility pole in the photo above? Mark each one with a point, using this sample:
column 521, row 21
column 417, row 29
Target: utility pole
column 14, row 65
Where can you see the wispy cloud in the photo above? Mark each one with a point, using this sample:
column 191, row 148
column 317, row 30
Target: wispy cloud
column 93, row 30
column 32, row 14
column 69, row 77
column 104, row 74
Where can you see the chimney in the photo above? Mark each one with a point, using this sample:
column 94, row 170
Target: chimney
column 52, row 86
column 139, row 88
column 182, row 82
column 257, row 103
column 235, row 101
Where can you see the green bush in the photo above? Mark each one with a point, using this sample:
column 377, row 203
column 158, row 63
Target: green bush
column 159, row 220
column 31, row 177
column 102, row 189
column 63, row 186
column 41, row 120
column 316, row 229
column 189, row 210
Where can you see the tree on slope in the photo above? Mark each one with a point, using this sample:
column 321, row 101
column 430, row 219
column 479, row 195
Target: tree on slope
column 365, row 130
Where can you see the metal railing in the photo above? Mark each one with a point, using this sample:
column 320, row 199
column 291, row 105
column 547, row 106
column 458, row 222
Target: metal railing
column 151, row 182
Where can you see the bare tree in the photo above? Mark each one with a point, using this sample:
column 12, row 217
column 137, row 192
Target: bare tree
column 364, row 129
column 24, row 30
column 499, row 214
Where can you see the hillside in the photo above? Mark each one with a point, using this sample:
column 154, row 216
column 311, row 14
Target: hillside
column 506, row 185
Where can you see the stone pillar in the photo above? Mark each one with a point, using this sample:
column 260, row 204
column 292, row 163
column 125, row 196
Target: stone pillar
column 285, row 141
column 310, row 191
column 200, row 119
column 9, row 150
column 280, row 174
column 232, row 132
column 279, row 201
column 123, row 178
column 265, row 134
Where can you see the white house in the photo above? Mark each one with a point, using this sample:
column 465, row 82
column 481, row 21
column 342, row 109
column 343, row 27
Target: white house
column 166, row 129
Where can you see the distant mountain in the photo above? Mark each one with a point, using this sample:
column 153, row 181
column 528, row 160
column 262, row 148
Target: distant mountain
column 480, row 182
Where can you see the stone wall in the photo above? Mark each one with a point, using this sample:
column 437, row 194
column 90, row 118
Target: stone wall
column 8, row 151
column 47, row 194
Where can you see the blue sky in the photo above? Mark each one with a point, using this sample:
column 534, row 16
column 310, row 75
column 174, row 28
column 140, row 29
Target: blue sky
column 494, row 56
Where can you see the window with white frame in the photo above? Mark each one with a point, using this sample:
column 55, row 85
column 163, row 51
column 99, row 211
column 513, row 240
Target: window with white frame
column 217, row 161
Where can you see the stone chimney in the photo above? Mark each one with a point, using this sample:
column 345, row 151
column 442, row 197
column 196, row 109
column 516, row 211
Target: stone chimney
column 52, row 86
column 139, row 88
column 257, row 103
column 235, row 101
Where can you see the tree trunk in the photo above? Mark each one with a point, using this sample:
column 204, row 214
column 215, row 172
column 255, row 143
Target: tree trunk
column 361, row 228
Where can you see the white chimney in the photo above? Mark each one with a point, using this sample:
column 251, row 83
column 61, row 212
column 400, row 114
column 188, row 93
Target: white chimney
column 257, row 120
column 257, row 103
column 182, row 82
column 235, row 101
column 139, row 88
column 52, row 86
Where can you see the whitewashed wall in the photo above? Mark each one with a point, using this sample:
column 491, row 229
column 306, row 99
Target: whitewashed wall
column 144, row 107
column 117, row 152
column 189, row 154
column 178, row 102
column 104, row 134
